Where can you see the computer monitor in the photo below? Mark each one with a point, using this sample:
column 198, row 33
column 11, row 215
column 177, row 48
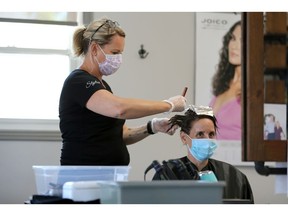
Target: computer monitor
column 163, row 192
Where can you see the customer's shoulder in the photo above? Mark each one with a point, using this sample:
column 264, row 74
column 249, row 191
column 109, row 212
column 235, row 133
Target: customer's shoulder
column 215, row 161
column 226, row 166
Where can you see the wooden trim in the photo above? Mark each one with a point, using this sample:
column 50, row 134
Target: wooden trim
column 254, row 148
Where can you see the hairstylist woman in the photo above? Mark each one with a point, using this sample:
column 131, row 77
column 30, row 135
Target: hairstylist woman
column 92, row 118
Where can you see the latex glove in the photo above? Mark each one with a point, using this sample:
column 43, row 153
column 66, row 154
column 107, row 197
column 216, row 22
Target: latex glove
column 178, row 103
column 163, row 125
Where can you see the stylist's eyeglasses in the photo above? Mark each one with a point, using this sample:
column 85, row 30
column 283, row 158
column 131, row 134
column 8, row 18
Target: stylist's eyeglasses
column 110, row 24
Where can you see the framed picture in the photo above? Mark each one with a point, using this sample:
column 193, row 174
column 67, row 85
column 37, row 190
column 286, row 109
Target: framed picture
column 275, row 120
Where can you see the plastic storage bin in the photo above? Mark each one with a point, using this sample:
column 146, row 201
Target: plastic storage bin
column 50, row 179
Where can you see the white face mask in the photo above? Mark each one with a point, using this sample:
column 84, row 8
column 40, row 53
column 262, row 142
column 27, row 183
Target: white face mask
column 111, row 64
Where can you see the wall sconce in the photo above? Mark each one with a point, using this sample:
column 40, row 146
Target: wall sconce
column 142, row 52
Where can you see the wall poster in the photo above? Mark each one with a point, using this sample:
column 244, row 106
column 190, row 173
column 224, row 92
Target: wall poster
column 218, row 78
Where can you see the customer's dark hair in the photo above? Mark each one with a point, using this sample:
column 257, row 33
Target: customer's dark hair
column 186, row 121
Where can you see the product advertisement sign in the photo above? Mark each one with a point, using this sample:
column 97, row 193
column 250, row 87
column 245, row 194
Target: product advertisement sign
column 218, row 78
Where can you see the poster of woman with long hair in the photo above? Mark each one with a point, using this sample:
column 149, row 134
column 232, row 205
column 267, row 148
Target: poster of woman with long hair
column 218, row 77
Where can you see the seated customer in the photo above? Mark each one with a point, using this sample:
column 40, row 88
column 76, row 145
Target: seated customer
column 198, row 132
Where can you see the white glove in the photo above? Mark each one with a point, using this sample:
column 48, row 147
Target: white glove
column 163, row 125
column 178, row 103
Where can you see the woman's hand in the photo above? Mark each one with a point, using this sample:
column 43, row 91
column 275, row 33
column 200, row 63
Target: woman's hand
column 163, row 125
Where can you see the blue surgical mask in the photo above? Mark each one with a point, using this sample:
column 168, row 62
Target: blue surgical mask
column 202, row 149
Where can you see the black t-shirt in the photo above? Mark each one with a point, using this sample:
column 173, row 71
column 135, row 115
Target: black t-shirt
column 88, row 138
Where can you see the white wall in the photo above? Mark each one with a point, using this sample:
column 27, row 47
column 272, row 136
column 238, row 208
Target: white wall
column 169, row 67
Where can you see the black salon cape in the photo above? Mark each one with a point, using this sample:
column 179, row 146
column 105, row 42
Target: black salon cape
column 237, row 184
